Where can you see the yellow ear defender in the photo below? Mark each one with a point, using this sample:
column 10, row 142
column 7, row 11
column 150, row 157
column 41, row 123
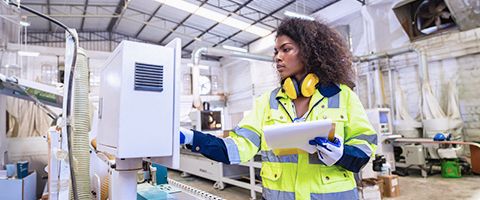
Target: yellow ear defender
column 306, row 89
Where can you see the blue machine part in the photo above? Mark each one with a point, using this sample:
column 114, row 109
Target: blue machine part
column 162, row 174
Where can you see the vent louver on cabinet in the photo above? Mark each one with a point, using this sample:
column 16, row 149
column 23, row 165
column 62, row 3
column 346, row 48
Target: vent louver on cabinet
column 148, row 77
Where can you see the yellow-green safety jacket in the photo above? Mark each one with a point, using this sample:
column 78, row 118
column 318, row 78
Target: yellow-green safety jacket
column 302, row 175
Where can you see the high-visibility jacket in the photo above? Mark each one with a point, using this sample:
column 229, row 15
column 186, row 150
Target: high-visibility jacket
column 301, row 175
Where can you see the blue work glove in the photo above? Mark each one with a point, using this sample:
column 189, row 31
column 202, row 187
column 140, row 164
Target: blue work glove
column 328, row 152
column 186, row 136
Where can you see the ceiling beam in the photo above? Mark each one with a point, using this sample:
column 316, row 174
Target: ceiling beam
column 84, row 36
column 68, row 4
column 244, row 16
column 188, row 26
column 84, row 13
column 148, row 20
column 329, row 4
column 121, row 7
column 179, row 24
column 259, row 11
column 316, row 10
column 216, row 24
column 257, row 21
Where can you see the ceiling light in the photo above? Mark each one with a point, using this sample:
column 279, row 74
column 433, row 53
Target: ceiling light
column 182, row 5
column 210, row 14
column 258, row 31
column 215, row 16
column 298, row 15
column 236, row 23
column 28, row 53
column 24, row 23
column 234, row 48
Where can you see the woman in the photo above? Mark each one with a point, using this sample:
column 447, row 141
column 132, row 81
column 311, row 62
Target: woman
column 315, row 68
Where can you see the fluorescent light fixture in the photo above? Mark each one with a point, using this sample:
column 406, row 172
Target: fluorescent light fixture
column 258, row 31
column 234, row 48
column 210, row 14
column 28, row 53
column 216, row 16
column 24, row 23
column 298, row 15
column 236, row 23
column 182, row 5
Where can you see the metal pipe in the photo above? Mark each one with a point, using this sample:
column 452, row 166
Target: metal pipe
column 379, row 55
column 377, row 86
column 423, row 65
column 369, row 94
column 390, row 85
column 213, row 51
column 392, row 93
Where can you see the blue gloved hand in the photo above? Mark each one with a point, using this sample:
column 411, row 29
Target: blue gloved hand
column 186, row 136
column 328, row 152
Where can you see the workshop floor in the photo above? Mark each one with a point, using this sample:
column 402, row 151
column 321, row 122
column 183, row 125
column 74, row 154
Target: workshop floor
column 411, row 188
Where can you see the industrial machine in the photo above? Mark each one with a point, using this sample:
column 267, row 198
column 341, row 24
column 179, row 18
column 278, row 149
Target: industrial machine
column 209, row 121
column 138, row 111
column 380, row 118
column 137, row 120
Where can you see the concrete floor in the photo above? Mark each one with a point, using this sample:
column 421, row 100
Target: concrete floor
column 411, row 188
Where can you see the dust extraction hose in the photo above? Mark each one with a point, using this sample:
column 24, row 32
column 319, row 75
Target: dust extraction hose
column 81, row 127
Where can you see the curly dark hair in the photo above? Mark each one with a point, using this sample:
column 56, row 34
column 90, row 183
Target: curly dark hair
column 322, row 50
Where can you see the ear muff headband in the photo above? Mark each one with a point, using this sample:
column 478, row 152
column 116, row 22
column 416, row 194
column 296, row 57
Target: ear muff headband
column 306, row 88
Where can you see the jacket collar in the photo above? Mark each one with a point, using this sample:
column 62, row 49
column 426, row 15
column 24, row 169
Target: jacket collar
column 326, row 90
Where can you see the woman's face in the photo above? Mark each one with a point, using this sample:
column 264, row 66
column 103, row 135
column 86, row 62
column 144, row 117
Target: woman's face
column 287, row 58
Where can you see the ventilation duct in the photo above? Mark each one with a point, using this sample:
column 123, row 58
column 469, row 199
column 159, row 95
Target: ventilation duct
column 420, row 18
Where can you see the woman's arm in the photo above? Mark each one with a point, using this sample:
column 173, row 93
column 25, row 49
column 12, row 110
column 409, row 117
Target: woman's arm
column 360, row 137
column 241, row 144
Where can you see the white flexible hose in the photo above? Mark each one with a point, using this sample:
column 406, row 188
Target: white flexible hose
column 81, row 127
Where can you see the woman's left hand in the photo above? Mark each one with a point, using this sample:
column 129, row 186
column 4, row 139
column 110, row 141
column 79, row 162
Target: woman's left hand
column 328, row 152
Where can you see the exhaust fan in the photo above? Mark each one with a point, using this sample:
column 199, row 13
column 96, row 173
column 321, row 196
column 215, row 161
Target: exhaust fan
column 420, row 18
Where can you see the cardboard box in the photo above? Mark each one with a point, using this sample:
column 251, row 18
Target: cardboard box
column 372, row 182
column 371, row 192
column 391, row 187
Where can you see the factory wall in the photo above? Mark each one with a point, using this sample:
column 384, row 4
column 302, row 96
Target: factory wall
column 374, row 29
column 246, row 80
column 451, row 57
